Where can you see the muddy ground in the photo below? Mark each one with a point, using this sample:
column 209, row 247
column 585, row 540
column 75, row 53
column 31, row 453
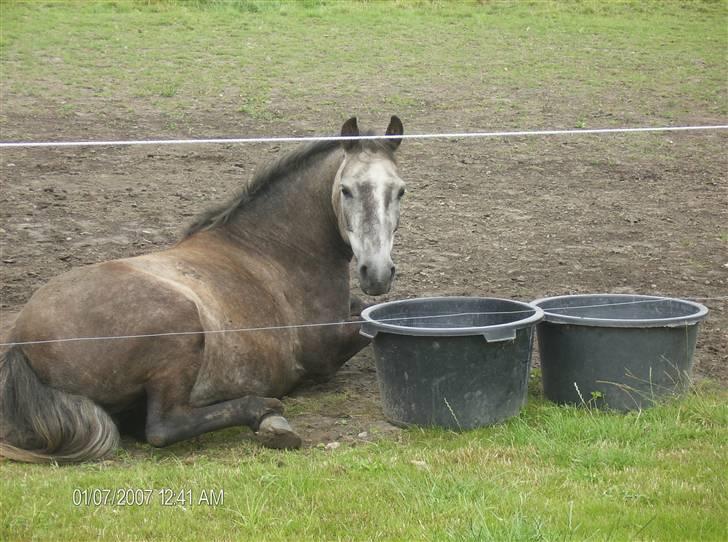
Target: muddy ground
column 518, row 218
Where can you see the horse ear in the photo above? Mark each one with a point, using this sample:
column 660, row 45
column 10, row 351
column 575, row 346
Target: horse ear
column 350, row 129
column 395, row 128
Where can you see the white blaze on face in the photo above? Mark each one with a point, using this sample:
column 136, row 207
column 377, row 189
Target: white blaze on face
column 366, row 196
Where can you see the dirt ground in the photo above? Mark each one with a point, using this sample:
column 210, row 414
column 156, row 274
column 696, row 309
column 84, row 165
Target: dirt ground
column 517, row 218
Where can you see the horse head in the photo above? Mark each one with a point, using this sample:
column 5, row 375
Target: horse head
column 366, row 197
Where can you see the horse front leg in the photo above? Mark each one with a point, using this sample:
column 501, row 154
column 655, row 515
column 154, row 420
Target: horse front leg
column 167, row 425
column 352, row 340
column 357, row 305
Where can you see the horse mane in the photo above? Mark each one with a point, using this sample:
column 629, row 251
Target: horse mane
column 299, row 158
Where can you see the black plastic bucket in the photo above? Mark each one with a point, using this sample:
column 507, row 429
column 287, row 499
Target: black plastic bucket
column 621, row 352
column 455, row 362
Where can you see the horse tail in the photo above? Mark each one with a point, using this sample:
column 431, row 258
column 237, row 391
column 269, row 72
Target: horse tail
column 40, row 424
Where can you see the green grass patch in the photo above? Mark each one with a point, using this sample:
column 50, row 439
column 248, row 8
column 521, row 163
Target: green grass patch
column 270, row 59
column 552, row 473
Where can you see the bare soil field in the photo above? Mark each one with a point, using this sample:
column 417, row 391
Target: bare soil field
column 509, row 217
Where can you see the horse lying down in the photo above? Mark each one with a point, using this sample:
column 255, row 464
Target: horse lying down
column 277, row 254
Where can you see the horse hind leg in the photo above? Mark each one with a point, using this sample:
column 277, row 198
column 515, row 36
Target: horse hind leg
column 132, row 421
column 169, row 424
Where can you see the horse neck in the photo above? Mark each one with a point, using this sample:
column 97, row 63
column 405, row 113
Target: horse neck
column 295, row 213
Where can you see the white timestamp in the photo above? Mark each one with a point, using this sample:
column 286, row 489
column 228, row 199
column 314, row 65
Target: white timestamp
column 129, row 496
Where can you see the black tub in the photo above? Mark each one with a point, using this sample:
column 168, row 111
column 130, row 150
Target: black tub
column 622, row 352
column 455, row 362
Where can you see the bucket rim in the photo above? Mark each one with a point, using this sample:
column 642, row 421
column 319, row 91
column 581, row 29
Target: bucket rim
column 699, row 314
column 492, row 331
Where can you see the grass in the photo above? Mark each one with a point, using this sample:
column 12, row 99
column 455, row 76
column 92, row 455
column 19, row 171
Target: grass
column 271, row 59
column 552, row 473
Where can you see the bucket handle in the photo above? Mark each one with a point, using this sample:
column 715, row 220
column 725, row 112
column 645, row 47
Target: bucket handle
column 367, row 330
column 500, row 335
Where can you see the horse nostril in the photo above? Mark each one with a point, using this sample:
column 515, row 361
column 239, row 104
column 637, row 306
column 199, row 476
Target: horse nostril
column 363, row 270
column 391, row 271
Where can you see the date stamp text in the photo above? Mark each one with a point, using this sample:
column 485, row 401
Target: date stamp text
column 128, row 496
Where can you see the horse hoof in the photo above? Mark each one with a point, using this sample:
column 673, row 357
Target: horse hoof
column 276, row 432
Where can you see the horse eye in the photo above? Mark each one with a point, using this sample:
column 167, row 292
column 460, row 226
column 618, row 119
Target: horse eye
column 346, row 192
column 400, row 193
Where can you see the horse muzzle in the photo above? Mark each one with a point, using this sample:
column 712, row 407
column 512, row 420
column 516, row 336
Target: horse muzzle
column 375, row 278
